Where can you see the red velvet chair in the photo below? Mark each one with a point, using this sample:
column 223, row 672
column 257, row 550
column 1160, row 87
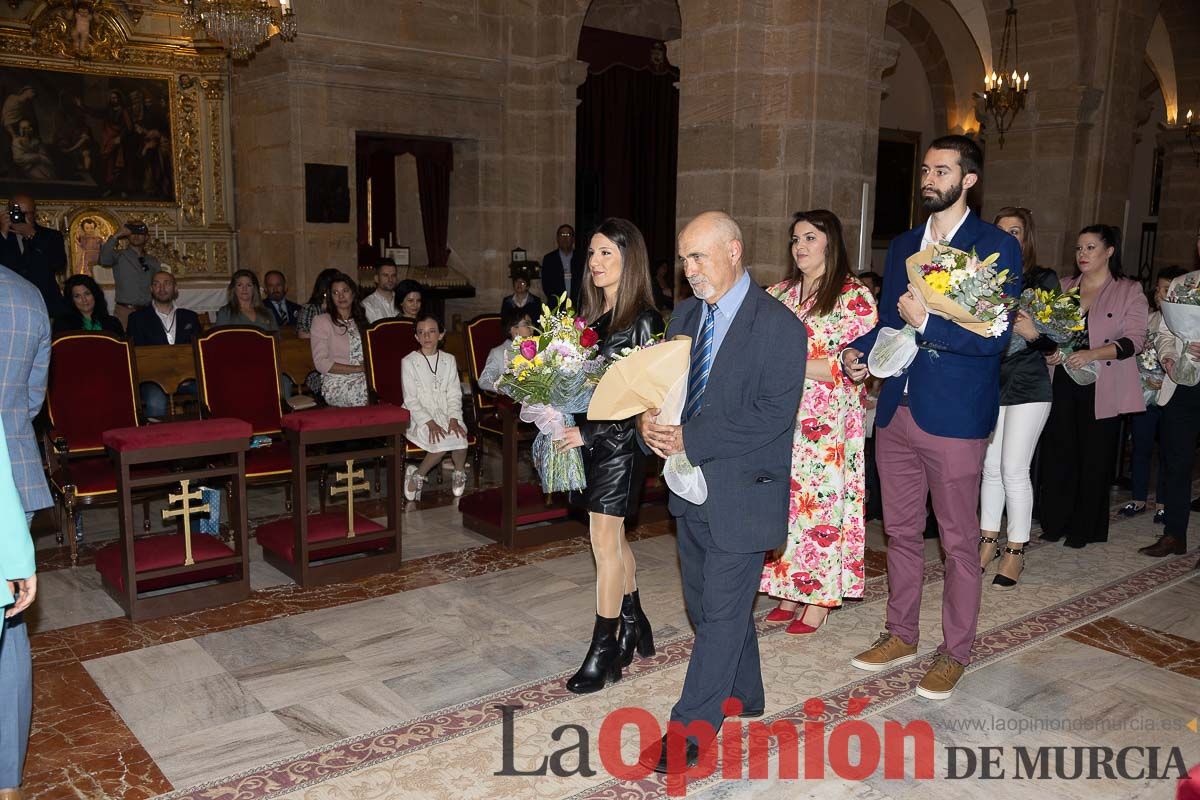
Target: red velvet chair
column 237, row 367
column 313, row 548
column 92, row 388
column 207, row 571
column 484, row 333
column 386, row 344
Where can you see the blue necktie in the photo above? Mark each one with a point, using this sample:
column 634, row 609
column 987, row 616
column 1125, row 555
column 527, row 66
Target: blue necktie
column 702, row 358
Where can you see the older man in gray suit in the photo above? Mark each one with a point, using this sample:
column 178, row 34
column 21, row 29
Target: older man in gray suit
column 747, row 374
column 24, row 364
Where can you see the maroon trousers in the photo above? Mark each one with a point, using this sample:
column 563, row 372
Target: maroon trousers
column 912, row 462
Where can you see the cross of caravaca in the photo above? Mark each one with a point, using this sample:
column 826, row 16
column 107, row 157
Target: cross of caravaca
column 185, row 497
column 354, row 483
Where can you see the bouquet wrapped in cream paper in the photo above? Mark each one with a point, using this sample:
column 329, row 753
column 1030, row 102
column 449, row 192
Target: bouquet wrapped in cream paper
column 1181, row 313
column 653, row 377
column 955, row 285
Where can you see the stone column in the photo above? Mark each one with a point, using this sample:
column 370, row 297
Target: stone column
column 778, row 112
column 1179, row 207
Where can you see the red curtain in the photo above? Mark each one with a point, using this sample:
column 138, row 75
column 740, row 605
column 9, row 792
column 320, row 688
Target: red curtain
column 376, row 157
column 627, row 137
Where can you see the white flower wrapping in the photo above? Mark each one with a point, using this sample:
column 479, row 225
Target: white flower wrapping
column 1183, row 320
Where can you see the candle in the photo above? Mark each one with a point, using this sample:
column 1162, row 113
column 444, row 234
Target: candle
column 382, row 245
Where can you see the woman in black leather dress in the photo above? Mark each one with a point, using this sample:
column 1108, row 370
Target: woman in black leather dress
column 619, row 305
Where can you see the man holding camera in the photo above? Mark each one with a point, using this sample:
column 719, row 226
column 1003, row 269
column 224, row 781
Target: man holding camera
column 35, row 253
column 133, row 268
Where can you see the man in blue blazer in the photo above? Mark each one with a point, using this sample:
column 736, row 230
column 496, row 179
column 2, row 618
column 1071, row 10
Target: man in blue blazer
column 933, row 423
column 24, row 370
column 747, row 373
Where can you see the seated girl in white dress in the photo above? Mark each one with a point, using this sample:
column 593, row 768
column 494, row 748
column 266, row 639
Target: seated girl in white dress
column 433, row 397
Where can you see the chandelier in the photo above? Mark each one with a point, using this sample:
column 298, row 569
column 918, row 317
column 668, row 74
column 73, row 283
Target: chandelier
column 1004, row 93
column 241, row 26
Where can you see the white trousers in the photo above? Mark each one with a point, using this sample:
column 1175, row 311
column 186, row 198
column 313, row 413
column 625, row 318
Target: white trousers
column 1006, row 470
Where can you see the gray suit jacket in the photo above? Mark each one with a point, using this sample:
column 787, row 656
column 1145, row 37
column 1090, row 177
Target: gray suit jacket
column 742, row 435
column 24, row 367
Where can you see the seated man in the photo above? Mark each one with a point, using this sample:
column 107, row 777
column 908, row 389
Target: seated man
column 519, row 324
column 162, row 322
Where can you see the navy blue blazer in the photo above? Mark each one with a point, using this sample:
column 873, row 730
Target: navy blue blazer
column 742, row 435
column 954, row 383
column 145, row 327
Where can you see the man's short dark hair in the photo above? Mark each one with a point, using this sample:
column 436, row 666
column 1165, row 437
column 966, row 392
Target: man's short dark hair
column 564, row 225
column 274, row 272
column 970, row 157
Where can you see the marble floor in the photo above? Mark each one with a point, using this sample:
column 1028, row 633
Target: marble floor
column 388, row 687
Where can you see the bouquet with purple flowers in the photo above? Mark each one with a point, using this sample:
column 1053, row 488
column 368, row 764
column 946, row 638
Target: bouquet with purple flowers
column 552, row 375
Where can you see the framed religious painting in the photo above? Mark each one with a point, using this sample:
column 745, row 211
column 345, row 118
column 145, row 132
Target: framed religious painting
column 85, row 136
column 87, row 231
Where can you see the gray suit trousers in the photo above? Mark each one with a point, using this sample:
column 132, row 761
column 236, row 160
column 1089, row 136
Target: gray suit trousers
column 719, row 588
column 16, row 699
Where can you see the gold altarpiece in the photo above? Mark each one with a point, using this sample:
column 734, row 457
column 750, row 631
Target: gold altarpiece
column 120, row 42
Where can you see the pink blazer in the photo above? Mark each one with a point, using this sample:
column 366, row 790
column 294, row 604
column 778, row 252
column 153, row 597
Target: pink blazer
column 330, row 344
column 1119, row 311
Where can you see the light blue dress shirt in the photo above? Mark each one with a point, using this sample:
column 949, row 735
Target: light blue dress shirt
column 727, row 308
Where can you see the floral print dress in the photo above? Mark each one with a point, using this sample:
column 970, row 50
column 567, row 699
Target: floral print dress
column 822, row 562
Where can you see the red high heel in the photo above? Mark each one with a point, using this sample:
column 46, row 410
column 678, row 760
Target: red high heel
column 779, row 615
column 801, row 627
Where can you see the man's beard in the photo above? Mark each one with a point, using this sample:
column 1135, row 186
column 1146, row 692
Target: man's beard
column 940, row 201
column 702, row 289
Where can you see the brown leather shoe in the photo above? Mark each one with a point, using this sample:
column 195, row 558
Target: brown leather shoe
column 888, row 651
column 1165, row 546
column 942, row 677
column 11, row 794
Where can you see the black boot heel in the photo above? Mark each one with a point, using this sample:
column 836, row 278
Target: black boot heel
column 602, row 664
column 636, row 634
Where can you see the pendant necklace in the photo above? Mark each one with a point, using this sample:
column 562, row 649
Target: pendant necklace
column 436, row 362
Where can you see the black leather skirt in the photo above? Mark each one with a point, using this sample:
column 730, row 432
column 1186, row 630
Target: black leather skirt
column 615, row 467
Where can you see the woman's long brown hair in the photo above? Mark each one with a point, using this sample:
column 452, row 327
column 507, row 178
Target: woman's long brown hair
column 837, row 264
column 633, row 291
column 1029, row 260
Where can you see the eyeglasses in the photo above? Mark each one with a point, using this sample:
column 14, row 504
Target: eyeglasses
column 566, row 236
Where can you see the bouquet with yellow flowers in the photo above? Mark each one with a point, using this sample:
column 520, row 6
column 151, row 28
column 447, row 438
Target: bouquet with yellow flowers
column 552, row 374
column 1056, row 315
column 955, row 285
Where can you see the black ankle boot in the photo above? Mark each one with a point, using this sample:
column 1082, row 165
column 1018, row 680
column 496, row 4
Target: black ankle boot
column 635, row 630
column 602, row 664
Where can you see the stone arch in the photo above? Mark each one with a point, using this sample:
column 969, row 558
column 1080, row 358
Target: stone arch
column 1161, row 60
column 913, row 26
column 652, row 19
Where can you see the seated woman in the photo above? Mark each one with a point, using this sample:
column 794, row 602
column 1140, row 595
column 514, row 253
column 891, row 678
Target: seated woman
column 433, row 397
column 89, row 309
column 244, row 305
column 337, row 350
column 410, row 296
column 316, row 302
column 519, row 325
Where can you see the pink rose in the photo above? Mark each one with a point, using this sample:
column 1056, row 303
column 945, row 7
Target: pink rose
column 580, row 323
column 529, row 349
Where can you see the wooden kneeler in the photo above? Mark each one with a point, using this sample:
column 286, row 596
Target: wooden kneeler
column 204, row 570
column 339, row 544
column 517, row 514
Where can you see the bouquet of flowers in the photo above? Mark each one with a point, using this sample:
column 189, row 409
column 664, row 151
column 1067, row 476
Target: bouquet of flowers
column 653, row 376
column 1056, row 315
column 953, row 284
column 552, row 375
column 1181, row 313
column 1150, row 371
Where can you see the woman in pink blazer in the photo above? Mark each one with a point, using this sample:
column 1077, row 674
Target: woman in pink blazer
column 1084, row 425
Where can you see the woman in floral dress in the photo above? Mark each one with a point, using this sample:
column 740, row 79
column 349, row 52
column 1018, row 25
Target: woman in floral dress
column 822, row 562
